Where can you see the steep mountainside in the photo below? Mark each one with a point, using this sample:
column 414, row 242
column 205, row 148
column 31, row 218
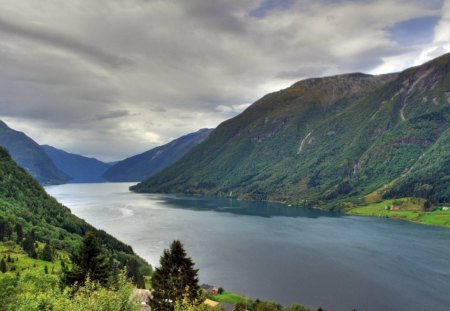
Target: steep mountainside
column 327, row 140
column 78, row 168
column 29, row 155
column 24, row 202
column 147, row 164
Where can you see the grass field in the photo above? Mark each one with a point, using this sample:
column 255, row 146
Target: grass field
column 22, row 262
column 409, row 209
column 232, row 298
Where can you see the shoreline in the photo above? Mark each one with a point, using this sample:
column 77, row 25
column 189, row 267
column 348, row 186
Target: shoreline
column 432, row 218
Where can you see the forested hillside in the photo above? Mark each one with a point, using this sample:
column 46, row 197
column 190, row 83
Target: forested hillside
column 28, row 215
column 327, row 140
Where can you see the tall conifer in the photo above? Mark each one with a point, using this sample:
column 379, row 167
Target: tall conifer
column 175, row 281
column 89, row 260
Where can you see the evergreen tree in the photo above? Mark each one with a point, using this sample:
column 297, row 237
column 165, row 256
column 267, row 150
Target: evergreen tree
column 47, row 253
column 175, row 280
column 89, row 260
column 19, row 230
column 5, row 229
column 134, row 274
column 28, row 244
column 3, row 266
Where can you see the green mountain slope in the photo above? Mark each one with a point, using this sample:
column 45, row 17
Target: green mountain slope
column 24, row 202
column 78, row 168
column 147, row 164
column 29, row 155
column 322, row 140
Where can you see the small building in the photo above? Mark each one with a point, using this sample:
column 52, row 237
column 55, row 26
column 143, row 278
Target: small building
column 445, row 208
column 210, row 289
column 206, row 287
column 395, row 208
column 210, row 303
column 214, row 291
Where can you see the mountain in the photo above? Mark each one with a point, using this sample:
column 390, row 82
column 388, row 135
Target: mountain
column 328, row 140
column 144, row 165
column 78, row 168
column 29, row 155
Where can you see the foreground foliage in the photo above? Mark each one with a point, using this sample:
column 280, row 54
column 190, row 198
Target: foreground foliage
column 34, row 290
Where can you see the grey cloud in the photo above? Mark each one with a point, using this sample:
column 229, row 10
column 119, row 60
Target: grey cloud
column 158, row 109
column 112, row 115
column 64, row 41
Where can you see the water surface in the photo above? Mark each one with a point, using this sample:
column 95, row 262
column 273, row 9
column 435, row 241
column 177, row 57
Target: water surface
column 274, row 252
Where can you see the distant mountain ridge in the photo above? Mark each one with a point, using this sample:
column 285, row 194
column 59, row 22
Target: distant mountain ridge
column 30, row 156
column 145, row 165
column 327, row 141
column 78, row 168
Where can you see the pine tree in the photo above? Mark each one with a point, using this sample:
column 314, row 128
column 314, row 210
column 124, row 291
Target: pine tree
column 5, row 229
column 134, row 274
column 28, row 244
column 19, row 230
column 175, row 280
column 2, row 265
column 47, row 253
column 89, row 260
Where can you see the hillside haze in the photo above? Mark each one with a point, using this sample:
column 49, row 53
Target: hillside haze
column 328, row 139
column 30, row 156
column 147, row 164
column 78, row 168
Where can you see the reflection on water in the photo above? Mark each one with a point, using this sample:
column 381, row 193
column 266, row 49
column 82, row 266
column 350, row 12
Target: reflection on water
column 249, row 208
column 272, row 251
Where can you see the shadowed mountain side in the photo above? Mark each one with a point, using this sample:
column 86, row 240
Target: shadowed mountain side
column 80, row 169
column 144, row 165
column 29, row 155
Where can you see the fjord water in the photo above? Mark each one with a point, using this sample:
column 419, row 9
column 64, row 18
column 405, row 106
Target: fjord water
column 275, row 252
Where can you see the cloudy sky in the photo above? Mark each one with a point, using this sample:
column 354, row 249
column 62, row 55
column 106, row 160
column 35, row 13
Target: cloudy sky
column 112, row 78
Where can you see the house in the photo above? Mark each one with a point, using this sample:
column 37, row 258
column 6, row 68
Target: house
column 395, row 208
column 209, row 288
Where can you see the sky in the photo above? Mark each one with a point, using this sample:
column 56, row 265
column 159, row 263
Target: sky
column 113, row 78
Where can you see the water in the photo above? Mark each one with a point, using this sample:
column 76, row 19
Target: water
column 274, row 252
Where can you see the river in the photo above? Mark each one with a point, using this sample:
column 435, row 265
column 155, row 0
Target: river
column 274, row 252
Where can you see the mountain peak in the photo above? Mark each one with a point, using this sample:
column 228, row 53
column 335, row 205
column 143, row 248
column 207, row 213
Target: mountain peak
column 29, row 155
column 3, row 125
